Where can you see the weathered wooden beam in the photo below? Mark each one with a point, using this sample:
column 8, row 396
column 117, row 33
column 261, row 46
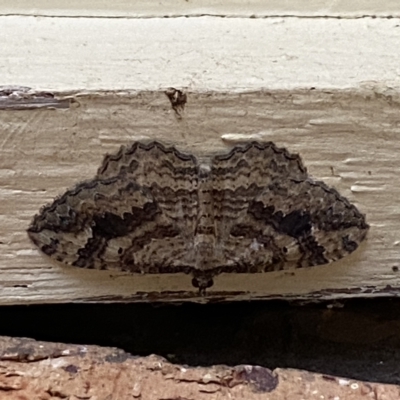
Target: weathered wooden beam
column 346, row 138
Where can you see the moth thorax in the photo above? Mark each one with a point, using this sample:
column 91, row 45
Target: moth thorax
column 204, row 170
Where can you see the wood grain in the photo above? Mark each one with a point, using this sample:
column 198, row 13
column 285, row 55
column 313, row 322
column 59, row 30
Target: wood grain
column 346, row 138
column 202, row 54
column 227, row 8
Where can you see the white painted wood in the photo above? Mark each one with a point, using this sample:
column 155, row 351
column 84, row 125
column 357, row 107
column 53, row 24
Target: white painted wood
column 225, row 8
column 349, row 139
column 202, row 54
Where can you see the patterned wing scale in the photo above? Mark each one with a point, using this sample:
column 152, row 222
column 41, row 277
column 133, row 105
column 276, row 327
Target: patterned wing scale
column 271, row 215
column 172, row 178
column 169, row 174
column 136, row 215
column 78, row 227
column 318, row 227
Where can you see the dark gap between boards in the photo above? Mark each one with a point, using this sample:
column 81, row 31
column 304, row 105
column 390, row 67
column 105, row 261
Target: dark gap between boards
column 357, row 338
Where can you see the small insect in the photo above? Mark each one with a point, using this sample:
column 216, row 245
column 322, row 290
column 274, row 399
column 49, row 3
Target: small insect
column 178, row 100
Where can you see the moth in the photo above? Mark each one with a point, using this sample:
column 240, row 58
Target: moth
column 152, row 209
